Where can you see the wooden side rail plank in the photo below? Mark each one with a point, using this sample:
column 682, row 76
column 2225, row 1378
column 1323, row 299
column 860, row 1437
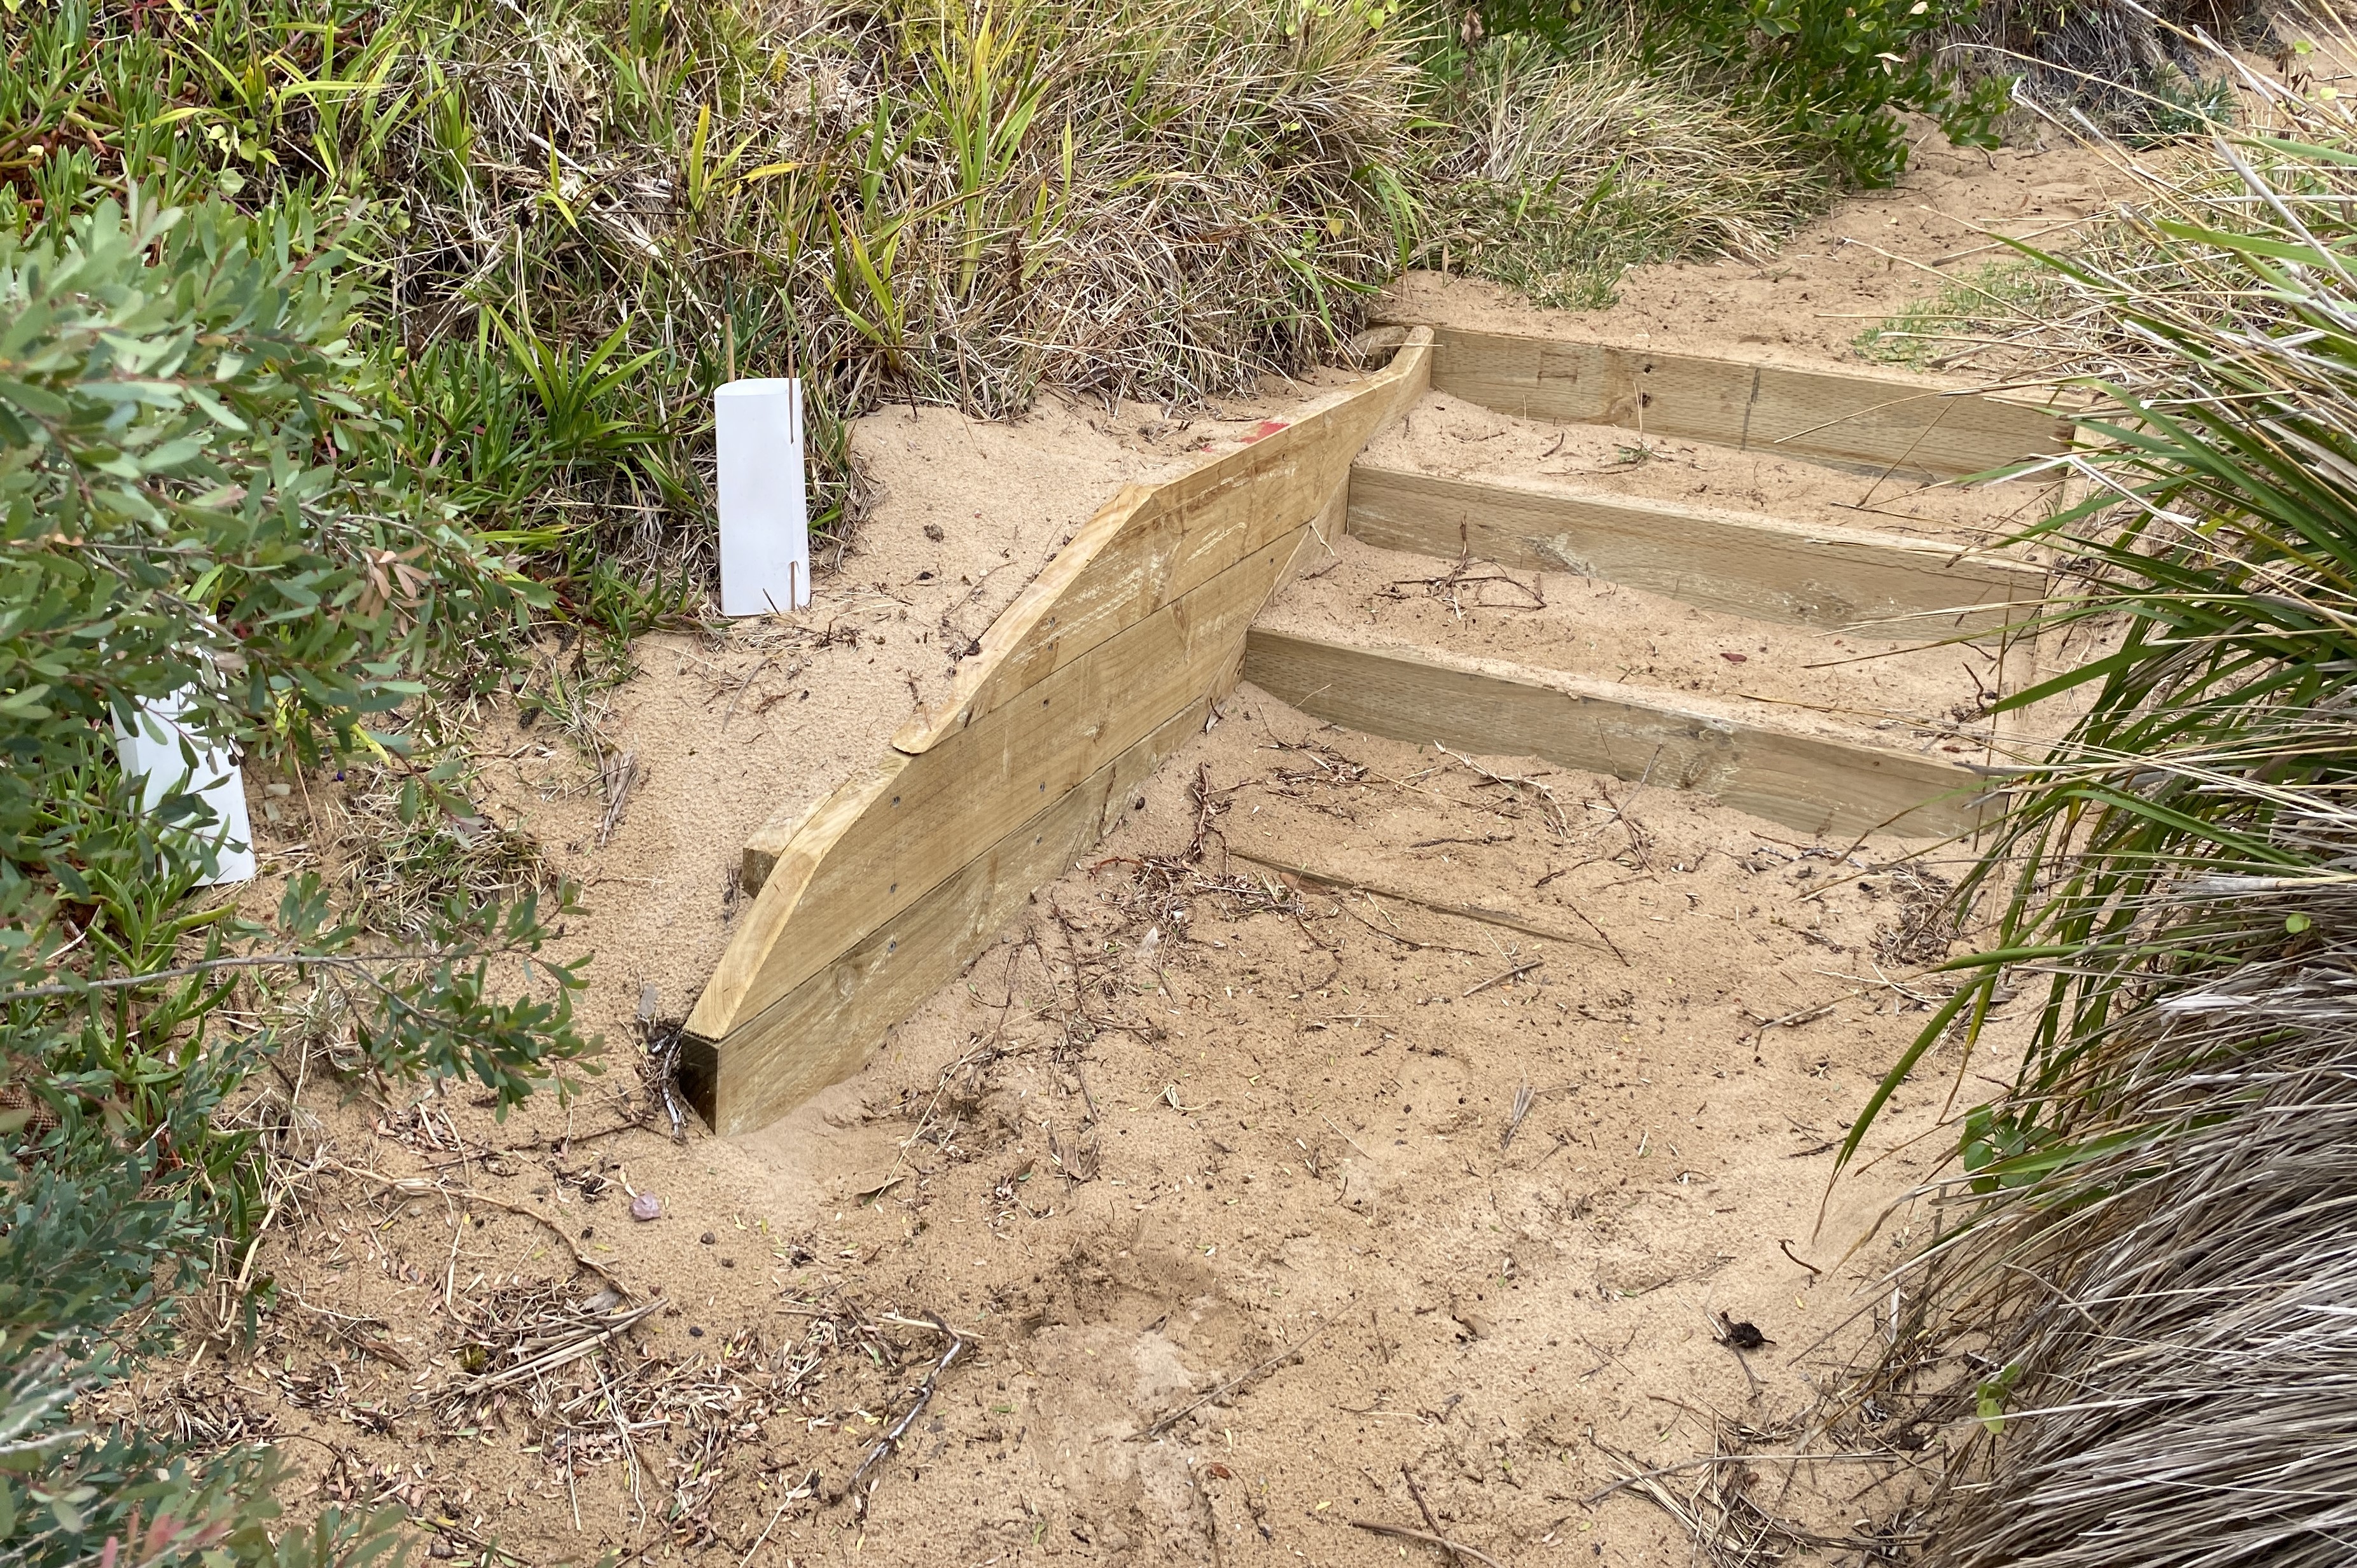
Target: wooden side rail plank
column 1741, row 562
column 1884, row 421
column 1814, row 784
column 920, row 819
column 872, row 898
column 824, row 1030
column 1151, row 545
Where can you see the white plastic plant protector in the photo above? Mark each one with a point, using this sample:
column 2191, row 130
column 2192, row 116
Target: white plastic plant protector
column 154, row 754
column 764, row 507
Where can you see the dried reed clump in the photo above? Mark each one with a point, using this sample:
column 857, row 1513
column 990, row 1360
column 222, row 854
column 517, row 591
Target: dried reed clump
column 404, row 869
column 1565, row 172
column 941, row 200
column 2163, row 1367
column 2130, row 69
column 2134, row 1321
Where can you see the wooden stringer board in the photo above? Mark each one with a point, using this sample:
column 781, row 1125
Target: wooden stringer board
column 873, row 898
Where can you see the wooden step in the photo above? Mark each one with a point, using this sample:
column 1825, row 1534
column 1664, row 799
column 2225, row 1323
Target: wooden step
column 1887, row 424
column 1742, row 563
column 1740, row 754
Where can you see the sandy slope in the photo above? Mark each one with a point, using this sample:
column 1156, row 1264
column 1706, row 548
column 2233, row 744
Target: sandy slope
column 1182, row 1125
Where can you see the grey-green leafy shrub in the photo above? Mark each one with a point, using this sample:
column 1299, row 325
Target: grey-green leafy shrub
column 195, row 499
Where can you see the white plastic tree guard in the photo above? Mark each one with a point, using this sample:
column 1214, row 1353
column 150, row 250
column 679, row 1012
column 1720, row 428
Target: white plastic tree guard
column 764, row 507
column 157, row 753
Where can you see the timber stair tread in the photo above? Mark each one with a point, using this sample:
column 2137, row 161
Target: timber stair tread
column 1815, row 778
column 1886, row 421
column 1597, row 629
column 1749, row 563
column 1810, row 671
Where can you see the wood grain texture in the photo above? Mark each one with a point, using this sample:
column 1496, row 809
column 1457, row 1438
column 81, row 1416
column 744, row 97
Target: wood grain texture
column 1814, row 784
column 1896, row 424
column 778, row 865
column 825, row 1029
column 1741, row 562
column 1149, row 546
column 917, row 820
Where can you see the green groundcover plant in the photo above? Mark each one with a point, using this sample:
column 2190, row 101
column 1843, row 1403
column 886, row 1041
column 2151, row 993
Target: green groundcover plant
column 1838, row 74
column 193, row 507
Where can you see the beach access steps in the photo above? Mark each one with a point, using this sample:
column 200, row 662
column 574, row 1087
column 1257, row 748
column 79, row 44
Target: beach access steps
column 1112, row 660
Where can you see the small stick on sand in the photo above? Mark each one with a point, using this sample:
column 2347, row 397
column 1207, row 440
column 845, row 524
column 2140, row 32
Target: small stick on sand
column 1430, row 1523
column 891, row 1439
column 1515, row 974
column 1522, row 1097
column 1455, row 1547
column 1230, row 1386
column 1346, row 1138
column 418, row 1186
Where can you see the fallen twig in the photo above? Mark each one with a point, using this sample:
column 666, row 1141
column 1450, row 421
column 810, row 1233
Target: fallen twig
column 1430, row 1523
column 1463, row 911
column 1515, row 974
column 1401, row 1531
column 548, row 1361
column 891, row 1439
column 1230, row 1386
column 418, row 1186
column 1805, row 1015
column 1709, row 1460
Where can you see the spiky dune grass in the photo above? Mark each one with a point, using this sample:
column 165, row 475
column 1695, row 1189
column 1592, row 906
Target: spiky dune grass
column 585, row 214
column 2138, row 70
column 2137, row 1325
column 1567, row 170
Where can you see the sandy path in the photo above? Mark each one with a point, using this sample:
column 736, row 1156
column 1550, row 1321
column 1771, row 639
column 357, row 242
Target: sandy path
column 1834, row 278
column 1185, row 1124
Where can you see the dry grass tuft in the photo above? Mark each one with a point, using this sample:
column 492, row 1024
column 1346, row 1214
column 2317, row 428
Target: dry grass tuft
column 2129, row 70
column 585, row 214
column 2158, row 1322
column 2132, row 1337
column 403, row 865
column 1566, row 172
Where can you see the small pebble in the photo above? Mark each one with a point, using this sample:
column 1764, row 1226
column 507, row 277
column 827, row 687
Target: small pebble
column 696, row 1334
column 709, row 1237
column 646, row 1205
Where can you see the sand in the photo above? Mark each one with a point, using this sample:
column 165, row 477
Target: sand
column 1451, row 438
column 1836, row 277
column 1298, row 1139
column 1200, row 1215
